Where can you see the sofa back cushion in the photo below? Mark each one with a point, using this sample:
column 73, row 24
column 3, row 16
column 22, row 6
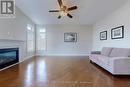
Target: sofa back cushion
column 106, row 51
column 120, row 52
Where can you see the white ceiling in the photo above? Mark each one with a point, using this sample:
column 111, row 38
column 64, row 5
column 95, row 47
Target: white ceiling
column 89, row 11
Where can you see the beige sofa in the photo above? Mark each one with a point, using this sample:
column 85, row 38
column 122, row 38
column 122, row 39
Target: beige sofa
column 114, row 60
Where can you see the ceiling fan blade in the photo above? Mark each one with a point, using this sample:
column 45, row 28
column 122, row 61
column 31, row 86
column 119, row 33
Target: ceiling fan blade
column 54, row 11
column 72, row 8
column 60, row 2
column 59, row 16
column 70, row 16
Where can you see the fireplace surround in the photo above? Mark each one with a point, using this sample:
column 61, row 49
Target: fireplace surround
column 8, row 56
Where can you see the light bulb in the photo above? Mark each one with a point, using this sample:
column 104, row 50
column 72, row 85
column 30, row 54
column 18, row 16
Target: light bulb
column 63, row 13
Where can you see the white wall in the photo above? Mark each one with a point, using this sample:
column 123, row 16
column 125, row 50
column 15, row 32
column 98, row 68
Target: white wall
column 13, row 33
column 118, row 18
column 57, row 46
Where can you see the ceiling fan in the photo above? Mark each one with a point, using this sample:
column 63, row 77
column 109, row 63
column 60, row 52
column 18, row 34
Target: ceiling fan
column 64, row 10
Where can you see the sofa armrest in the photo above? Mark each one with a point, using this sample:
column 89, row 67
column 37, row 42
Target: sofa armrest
column 121, row 65
column 96, row 52
column 120, row 58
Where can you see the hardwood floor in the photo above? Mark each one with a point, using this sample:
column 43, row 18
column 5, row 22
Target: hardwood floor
column 60, row 72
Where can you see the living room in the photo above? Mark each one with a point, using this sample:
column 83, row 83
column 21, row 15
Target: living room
column 41, row 46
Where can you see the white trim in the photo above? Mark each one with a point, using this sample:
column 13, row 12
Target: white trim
column 26, row 58
column 17, row 63
column 67, row 54
column 9, row 66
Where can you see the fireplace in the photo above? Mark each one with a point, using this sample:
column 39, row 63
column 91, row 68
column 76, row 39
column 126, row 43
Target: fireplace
column 8, row 56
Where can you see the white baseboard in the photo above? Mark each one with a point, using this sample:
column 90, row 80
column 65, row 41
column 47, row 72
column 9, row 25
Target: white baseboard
column 67, row 54
column 9, row 66
column 16, row 63
column 45, row 55
column 26, row 58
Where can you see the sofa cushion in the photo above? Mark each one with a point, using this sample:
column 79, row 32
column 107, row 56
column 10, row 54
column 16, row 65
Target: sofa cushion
column 104, row 60
column 106, row 51
column 120, row 52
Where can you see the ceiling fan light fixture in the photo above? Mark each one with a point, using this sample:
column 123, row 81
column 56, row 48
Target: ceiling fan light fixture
column 63, row 13
column 64, row 10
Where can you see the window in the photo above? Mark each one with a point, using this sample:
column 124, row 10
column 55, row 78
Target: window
column 41, row 39
column 30, row 38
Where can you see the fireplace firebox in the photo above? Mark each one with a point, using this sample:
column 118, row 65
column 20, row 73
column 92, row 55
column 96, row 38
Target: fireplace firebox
column 8, row 56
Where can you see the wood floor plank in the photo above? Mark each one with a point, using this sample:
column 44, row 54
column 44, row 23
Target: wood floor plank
column 60, row 72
